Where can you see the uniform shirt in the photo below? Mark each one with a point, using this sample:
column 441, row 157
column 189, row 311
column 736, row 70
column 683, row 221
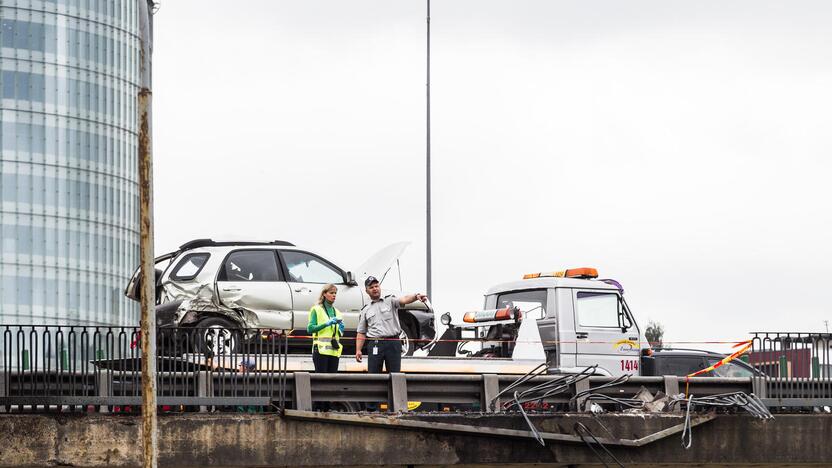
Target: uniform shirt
column 380, row 318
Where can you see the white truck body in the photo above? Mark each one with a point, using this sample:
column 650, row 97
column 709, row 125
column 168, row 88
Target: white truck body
column 581, row 322
column 568, row 323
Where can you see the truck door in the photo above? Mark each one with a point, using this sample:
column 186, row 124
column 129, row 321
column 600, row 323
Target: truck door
column 250, row 279
column 605, row 333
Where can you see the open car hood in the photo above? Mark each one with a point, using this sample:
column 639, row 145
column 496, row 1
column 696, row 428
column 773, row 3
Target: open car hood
column 380, row 263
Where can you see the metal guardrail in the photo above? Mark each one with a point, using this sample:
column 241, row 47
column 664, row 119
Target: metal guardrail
column 796, row 367
column 74, row 366
column 67, row 368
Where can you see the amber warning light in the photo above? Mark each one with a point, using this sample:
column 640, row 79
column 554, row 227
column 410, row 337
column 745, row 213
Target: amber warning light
column 490, row 315
column 584, row 273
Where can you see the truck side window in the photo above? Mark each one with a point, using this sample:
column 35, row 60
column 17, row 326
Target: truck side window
column 598, row 309
column 533, row 302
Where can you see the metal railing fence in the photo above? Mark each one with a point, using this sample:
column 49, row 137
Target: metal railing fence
column 74, row 367
column 796, row 368
column 77, row 368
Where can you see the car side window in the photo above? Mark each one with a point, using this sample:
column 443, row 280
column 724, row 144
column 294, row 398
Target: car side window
column 189, row 266
column 679, row 365
column 250, row 265
column 307, row 268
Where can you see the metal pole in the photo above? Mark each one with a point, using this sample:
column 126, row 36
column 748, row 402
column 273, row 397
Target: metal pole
column 427, row 223
column 148, row 272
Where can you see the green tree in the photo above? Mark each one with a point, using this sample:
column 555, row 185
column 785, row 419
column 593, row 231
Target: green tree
column 654, row 334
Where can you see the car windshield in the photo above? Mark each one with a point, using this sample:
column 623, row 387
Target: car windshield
column 731, row 370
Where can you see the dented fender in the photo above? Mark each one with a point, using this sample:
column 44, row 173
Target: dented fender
column 197, row 300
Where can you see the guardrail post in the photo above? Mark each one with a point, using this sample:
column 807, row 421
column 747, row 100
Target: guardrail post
column 104, row 385
column 397, row 393
column 204, row 387
column 671, row 387
column 4, row 390
column 759, row 387
column 580, row 386
column 490, row 389
column 303, row 391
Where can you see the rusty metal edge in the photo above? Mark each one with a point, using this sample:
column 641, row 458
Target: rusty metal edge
column 392, row 422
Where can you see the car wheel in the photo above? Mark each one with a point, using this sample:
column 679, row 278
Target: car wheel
column 346, row 406
column 217, row 337
column 408, row 337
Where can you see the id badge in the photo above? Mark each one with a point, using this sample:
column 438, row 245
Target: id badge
column 375, row 350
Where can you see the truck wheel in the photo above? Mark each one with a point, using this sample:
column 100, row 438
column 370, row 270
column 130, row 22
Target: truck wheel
column 408, row 337
column 217, row 337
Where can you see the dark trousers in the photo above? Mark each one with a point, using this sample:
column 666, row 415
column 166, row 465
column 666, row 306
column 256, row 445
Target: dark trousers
column 387, row 353
column 324, row 363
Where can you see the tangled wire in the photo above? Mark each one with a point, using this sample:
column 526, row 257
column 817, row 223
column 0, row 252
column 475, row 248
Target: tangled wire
column 746, row 401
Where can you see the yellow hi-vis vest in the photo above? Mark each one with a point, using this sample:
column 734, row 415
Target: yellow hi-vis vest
column 323, row 337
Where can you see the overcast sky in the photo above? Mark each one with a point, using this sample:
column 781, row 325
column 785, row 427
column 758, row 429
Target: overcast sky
column 679, row 147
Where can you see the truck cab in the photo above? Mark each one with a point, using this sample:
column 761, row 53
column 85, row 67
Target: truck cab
column 569, row 319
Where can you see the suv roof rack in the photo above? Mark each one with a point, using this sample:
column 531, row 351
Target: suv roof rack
column 212, row 243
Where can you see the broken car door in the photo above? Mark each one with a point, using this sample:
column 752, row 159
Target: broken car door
column 251, row 279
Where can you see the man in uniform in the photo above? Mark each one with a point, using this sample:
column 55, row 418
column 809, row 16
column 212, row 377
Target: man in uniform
column 379, row 324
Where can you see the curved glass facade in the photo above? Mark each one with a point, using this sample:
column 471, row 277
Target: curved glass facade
column 69, row 72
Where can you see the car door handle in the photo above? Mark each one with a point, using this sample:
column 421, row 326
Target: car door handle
column 580, row 335
column 231, row 289
column 302, row 289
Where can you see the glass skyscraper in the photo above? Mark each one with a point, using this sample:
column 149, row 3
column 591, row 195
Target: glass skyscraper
column 69, row 75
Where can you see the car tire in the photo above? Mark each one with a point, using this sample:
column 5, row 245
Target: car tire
column 346, row 406
column 408, row 337
column 216, row 336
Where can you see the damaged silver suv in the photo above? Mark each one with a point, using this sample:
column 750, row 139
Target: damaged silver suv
column 222, row 286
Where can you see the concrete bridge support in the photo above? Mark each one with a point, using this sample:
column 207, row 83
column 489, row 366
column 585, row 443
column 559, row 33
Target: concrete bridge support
column 234, row 440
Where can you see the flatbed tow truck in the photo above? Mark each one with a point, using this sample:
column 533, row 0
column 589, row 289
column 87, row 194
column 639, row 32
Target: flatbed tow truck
column 569, row 320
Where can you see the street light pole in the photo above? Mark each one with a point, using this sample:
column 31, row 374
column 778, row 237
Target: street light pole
column 428, row 253
column 148, row 271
